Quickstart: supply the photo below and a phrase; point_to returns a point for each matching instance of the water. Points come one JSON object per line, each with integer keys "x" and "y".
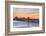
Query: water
{"x": 24, "y": 24}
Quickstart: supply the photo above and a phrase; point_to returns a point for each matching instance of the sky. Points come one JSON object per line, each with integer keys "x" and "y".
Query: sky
{"x": 32, "y": 13}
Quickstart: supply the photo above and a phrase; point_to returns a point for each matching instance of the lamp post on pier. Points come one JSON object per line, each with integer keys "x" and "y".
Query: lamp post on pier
{"x": 28, "y": 21}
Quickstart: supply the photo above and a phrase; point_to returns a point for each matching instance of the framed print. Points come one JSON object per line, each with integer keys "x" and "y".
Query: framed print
{"x": 24, "y": 17}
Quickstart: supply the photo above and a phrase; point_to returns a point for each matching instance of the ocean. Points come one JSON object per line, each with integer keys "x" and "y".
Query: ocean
{"x": 25, "y": 24}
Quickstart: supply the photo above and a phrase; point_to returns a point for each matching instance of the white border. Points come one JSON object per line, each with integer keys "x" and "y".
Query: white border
{"x": 25, "y": 29}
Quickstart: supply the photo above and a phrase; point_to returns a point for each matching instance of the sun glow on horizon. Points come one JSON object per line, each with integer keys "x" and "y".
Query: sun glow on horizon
{"x": 20, "y": 13}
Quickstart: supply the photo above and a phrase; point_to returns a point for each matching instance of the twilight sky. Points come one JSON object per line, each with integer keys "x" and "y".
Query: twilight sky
{"x": 32, "y": 13}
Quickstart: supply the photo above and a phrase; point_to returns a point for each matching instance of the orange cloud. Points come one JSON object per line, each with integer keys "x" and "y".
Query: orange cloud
{"x": 31, "y": 16}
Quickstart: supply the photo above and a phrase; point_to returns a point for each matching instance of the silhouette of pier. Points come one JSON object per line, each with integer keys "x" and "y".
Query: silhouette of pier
{"x": 26, "y": 19}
